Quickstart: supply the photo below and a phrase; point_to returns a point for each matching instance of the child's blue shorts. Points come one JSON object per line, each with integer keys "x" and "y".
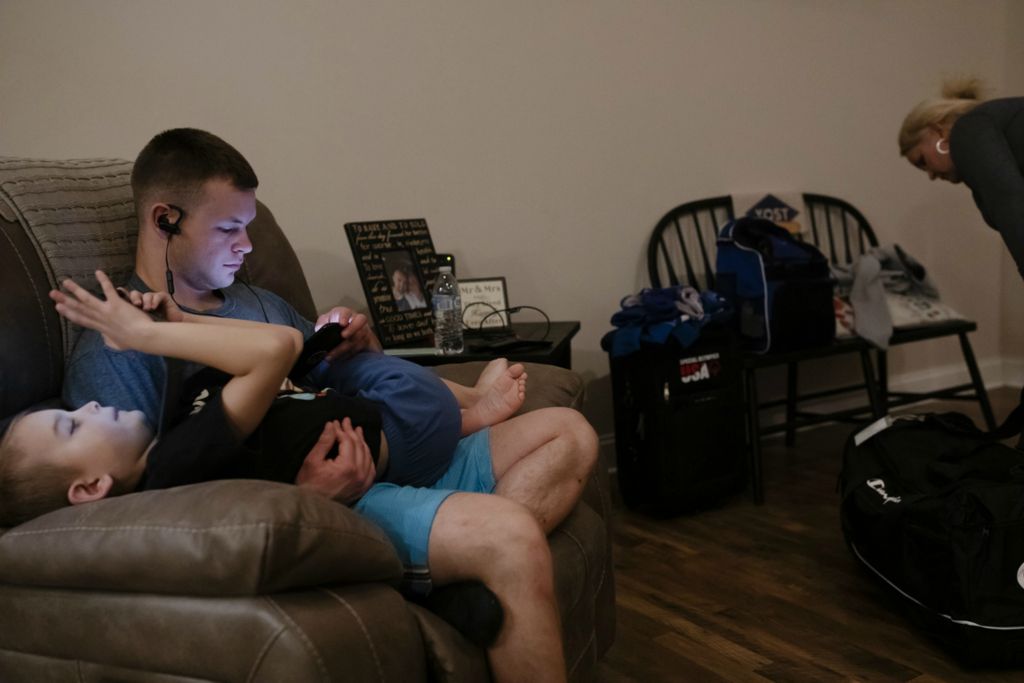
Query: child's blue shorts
{"x": 406, "y": 513}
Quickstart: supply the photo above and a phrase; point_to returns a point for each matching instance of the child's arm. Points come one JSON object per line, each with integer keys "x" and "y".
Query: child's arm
{"x": 355, "y": 334}
{"x": 258, "y": 359}
{"x": 163, "y": 306}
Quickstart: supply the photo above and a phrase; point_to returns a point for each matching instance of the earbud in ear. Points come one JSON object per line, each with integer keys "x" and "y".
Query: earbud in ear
{"x": 167, "y": 226}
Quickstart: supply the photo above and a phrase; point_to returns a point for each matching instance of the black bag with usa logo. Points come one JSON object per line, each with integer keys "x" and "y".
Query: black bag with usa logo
{"x": 680, "y": 423}
{"x": 933, "y": 508}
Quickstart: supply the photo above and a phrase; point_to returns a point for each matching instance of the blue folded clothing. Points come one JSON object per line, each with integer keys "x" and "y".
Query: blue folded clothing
{"x": 659, "y": 316}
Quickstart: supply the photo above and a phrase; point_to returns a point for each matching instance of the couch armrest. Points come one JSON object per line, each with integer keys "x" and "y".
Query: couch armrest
{"x": 223, "y": 538}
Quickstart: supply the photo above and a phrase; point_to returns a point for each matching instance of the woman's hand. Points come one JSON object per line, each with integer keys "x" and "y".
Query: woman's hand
{"x": 348, "y": 476}
{"x": 120, "y": 323}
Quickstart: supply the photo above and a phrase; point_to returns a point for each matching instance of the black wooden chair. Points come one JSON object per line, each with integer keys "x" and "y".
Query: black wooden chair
{"x": 682, "y": 251}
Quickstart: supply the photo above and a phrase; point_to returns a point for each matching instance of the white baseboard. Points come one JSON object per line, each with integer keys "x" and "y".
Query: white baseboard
{"x": 994, "y": 372}
{"x": 1012, "y": 372}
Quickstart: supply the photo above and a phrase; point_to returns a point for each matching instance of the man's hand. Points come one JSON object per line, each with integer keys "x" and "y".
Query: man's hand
{"x": 348, "y": 476}
{"x": 356, "y": 335}
{"x": 120, "y": 323}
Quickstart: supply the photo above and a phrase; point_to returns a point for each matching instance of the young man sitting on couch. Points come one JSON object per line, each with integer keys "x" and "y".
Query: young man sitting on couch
{"x": 195, "y": 195}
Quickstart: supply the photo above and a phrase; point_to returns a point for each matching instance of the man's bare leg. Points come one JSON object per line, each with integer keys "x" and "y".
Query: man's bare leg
{"x": 499, "y": 542}
{"x": 542, "y": 460}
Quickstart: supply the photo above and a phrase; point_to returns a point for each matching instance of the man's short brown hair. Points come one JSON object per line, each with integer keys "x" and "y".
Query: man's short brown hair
{"x": 175, "y": 164}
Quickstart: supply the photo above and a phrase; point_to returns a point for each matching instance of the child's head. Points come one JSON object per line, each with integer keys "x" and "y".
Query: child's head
{"x": 52, "y": 458}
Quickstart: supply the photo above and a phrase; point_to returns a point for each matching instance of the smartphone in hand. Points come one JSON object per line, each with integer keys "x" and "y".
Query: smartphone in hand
{"x": 315, "y": 349}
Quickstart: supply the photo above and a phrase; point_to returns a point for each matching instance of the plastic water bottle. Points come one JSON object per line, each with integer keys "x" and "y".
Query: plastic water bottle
{"x": 447, "y": 313}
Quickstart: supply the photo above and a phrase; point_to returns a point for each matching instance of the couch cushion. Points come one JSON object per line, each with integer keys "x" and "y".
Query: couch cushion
{"x": 79, "y": 216}
{"x": 351, "y": 632}
{"x": 234, "y": 537}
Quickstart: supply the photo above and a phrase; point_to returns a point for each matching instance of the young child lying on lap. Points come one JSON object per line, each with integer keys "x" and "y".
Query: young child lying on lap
{"x": 240, "y": 425}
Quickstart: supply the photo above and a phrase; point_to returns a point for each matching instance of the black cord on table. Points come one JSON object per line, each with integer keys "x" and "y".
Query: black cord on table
{"x": 516, "y": 309}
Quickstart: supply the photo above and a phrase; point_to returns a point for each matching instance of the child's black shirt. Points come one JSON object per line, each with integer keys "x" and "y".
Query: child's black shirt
{"x": 201, "y": 445}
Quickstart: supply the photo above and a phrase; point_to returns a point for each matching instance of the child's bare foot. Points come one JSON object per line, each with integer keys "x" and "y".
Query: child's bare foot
{"x": 502, "y": 389}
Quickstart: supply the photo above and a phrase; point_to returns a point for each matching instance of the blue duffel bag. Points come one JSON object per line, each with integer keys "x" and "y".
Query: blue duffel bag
{"x": 780, "y": 287}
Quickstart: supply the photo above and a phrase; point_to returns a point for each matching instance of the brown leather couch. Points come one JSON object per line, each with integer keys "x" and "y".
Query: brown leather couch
{"x": 230, "y": 580}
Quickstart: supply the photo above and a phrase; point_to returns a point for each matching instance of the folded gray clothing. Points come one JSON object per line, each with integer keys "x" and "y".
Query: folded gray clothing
{"x": 871, "y": 317}
{"x": 887, "y": 268}
{"x": 901, "y": 273}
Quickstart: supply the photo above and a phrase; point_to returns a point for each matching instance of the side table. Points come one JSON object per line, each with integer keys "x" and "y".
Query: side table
{"x": 557, "y": 352}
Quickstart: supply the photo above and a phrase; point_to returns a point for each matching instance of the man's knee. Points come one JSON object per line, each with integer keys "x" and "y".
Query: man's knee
{"x": 581, "y": 437}
{"x": 586, "y": 437}
{"x": 487, "y": 537}
{"x": 519, "y": 547}
{"x": 521, "y": 552}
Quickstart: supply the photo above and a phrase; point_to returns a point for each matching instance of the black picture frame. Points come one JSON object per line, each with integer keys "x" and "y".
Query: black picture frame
{"x": 382, "y": 248}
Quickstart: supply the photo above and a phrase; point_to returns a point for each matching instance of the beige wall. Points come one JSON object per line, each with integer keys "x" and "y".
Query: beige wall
{"x": 541, "y": 140}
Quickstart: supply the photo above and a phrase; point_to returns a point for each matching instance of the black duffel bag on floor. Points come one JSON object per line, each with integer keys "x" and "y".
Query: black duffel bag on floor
{"x": 934, "y": 509}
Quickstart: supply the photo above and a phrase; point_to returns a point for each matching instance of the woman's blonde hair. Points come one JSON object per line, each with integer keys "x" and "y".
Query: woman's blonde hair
{"x": 959, "y": 96}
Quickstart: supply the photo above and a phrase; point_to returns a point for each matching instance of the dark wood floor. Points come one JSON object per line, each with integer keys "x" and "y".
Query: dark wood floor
{"x": 766, "y": 593}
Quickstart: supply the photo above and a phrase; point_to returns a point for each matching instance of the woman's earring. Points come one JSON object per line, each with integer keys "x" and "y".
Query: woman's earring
{"x": 938, "y": 147}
